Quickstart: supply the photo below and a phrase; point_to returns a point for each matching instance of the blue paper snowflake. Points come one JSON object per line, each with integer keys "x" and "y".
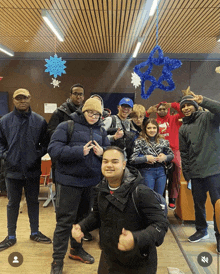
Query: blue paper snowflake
{"x": 55, "y": 66}
{"x": 168, "y": 66}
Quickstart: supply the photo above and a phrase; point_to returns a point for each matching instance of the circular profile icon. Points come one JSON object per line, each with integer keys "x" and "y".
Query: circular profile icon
{"x": 15, "y": 259}
{"x": 204, "y": 259}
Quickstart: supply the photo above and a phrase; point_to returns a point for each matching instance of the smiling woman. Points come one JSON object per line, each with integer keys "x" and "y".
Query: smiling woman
{"x": 149, "y": 154}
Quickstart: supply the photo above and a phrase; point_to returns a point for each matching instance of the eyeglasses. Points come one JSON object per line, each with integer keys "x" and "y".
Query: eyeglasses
{"x": 20, "y": 98}
{"x": 78, "y": 94}
{"x": 91, "y": 114}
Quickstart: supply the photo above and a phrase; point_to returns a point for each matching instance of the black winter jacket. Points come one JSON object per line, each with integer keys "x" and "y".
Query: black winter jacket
{"x": 60, "y": 115}
{"x": 111, "y": 213}
{"x": 23, "y": 141}
{"x": 72, "y": 167}
{"x": 199, "y": 140}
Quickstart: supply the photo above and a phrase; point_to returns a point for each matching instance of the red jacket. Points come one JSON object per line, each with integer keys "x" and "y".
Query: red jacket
{"x": 169, "y": 126}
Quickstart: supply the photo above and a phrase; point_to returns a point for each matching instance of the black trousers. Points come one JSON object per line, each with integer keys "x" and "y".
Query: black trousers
{"x": 108, "y": 267}
{"x": 14, "y": 192}
{"x": 71, "y": 205}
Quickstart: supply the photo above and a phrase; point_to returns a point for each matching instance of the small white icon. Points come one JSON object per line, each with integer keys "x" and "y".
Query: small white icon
{"x": 15, "y": 261}
{"x": 205, "y": 259}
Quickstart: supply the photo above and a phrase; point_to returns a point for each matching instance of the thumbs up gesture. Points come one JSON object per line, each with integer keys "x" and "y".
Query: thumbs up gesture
{"x": 126, "y": 240}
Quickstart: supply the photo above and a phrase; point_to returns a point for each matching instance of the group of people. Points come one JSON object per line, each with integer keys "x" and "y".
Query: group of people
{"x": 101, "y": 163}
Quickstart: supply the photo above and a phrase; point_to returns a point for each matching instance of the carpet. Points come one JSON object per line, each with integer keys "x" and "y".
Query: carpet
{"x": 207, "y": 262}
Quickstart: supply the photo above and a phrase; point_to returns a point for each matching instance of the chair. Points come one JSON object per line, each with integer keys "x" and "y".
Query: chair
{"x": 217, "y": 214}
{"x": 46, "y": 181}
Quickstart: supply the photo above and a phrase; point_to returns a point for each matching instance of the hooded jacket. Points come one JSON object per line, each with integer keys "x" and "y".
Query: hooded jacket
{"x": 200, "y": 141}
{"x": 72, "y": 167}
{"x": 113, "y": 212}
{"x": 169, "y": 125}
{"x": 23, "y": 141}
{"x": 60, "y": 115}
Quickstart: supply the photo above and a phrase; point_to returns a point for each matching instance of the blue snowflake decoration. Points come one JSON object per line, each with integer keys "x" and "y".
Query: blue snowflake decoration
{"x": 168, "y": 66}
{"x": 55, "y": 66}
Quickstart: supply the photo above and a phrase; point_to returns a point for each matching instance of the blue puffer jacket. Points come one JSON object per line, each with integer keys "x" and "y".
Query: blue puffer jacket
{"x": 72, "y": 167}
{"x": 23, "y": 141}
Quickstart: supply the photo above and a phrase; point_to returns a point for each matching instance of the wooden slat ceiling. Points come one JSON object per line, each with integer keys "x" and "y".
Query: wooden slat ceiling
{"x": 110, "y": 26}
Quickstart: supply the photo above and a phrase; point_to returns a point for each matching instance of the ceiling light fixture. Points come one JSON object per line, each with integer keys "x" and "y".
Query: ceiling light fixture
{"x": 140, "y": 40}
{"x": 47, "y": 18}
{"x": 153, "y": 7}
{"x": 6, "y": 50}
{"x": 218, "y": 38}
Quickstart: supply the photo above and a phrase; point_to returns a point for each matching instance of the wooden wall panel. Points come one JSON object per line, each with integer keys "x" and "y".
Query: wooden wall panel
{"x": 102, "y": 76}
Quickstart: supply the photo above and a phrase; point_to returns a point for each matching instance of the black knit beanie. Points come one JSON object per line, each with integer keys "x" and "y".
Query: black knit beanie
{"x": 186, "y": 100}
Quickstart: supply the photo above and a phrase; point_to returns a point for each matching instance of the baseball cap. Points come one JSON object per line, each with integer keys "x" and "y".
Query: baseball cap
{"x": 126, "y": 101}
{"x": 21, "y": 91}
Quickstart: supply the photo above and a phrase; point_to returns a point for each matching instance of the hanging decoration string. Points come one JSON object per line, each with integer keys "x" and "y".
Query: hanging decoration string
{"x": 55, "y": 44}
{"x": 55, "y": 66}
{"x": 157, "y": 24}
{"x": 165, "y": 81}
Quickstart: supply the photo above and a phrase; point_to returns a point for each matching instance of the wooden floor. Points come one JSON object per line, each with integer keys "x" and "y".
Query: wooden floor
{"x": 38, "y": 257}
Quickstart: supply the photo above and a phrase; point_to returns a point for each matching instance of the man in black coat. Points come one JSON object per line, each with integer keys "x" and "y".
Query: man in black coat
{"x": 199, "y": 138}
{"x": 129, "y": 230}
{"x": 23, "y": 141}
{"x": 63, "y": 112}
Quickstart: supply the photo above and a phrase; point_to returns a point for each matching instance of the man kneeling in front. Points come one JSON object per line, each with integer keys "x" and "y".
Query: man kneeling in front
{"x": 130, "y": 219}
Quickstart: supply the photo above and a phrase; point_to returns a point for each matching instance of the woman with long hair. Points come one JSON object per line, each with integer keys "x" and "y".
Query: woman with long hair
{"x": 151, "y": 152}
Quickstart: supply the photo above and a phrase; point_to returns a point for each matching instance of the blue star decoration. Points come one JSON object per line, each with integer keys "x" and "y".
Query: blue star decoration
{"x": 55, "y": 66}
{"x": 168, "y": 66}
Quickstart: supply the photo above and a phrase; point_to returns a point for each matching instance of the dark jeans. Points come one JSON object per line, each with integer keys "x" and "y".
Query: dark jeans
{"x": 200, "y": 186}
{"x": 14, "y": 191}
{"x": 71, "y": 205}
{"x": 155, "y": 178}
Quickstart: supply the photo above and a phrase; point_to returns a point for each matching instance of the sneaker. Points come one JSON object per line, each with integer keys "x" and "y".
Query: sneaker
{"x": 198, "y": 236}
{"x": 172, "y": 204}
{"x": 39, "y": 237}
{"x": 56, "y": 267}
{"x": 87, "y": 237}
{"x": 3, "y": 193}
{"x": 81, "y": 255}
{"x": 7, "y": 243}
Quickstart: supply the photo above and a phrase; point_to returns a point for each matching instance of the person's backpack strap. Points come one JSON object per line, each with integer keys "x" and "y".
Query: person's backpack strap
{"x": 158, "y": 196}
{"x": 113, "y": 125}
{"x": 70, "y": 130}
